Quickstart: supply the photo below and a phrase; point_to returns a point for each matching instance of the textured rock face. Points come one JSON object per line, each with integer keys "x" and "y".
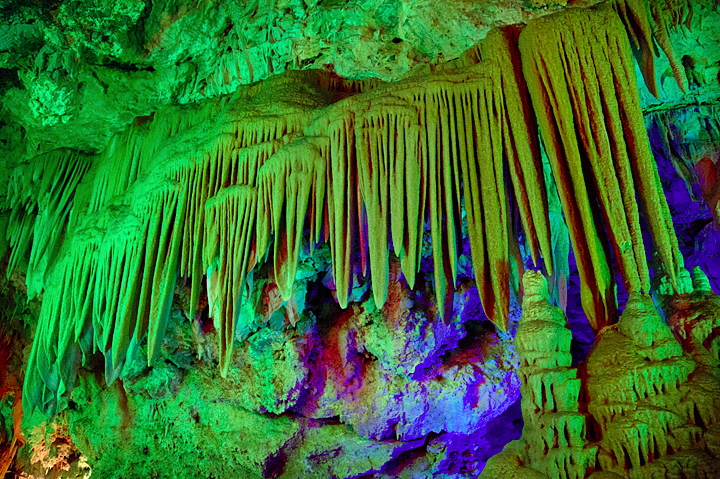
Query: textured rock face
{"x": 336, "y": 394}
{"x": 399, "y": 373}
{"x": 313, "y": 391}
{"x": 87, "y": 63}
{"x": 654, "y": 403}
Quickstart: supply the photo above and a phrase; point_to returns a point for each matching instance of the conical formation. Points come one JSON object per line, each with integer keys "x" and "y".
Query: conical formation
{"x": 554, "y": 431}
{"x": 229, "y": 256}
{"x": 657, "y": 408}
{"x": 130, "y": 234}
{"x": 695, "y": 318}
{"x": 582, "y": 82}
{"x": 648, "y": 23}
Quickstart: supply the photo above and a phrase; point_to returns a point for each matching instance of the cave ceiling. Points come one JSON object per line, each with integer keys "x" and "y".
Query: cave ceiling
{"x": 74, "y": 73}
{"x": 282, "y": 187}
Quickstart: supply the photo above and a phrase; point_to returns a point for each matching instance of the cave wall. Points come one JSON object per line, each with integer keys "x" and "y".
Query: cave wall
{"x": 309, "y": 388}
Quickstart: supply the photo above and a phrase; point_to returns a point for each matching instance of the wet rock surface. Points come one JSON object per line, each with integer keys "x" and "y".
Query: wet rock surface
{"x": 395, "y": 392}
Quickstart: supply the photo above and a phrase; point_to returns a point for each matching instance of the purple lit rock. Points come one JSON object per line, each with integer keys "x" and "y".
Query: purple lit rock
{"x": 406, "y": 336}
{"x": 402, "y": 372}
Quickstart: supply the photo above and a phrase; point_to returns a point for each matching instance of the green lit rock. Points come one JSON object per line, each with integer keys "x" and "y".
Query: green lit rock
{"x": 270, "y": 371}
{"x": 133, "y": 89}
{"x": 328, "y": 451}
{"x": 175, "y": 435}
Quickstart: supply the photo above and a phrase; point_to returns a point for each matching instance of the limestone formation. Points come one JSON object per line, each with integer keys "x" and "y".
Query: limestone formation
{"x": 554, "y": 436}
{"x": 263, "y": 239}
{"x": 644, "y": 405}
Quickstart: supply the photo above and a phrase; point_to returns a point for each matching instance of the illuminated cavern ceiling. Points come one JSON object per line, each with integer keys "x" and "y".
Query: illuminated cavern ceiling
{"x": 360, "y": 239}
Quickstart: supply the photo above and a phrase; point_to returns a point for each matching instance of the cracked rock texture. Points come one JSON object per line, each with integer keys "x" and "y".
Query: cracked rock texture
{"x": 337, "y": 394}
{"x": 315, "y": 391}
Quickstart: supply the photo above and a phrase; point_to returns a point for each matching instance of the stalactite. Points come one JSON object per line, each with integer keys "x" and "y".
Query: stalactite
{"x": 689, "y": 139}
{"x": 560, "y": 239}
{"x": 520, "y": 136}
{"x": 229, "y": 255}
{"x": 42, "y": 193}
{"x": 118, "y": 276}
{"x": 394, "y": 154}
{"x": 646, "y": 21}
{"x": 662, "y": 35}
{"x": 164, "y": 220}
{"x": 444, "y": 174}
{"x": 466, "y": 124}
{"x": 289, "y": 184}
{"x": 586, "y": 78}
{"x": 381, "y": 156}
{"x": 341, "y": 173}
{"x": 635, "y": 16}
{"x": 486, "y": 210}
{"x": 224, "y": 164}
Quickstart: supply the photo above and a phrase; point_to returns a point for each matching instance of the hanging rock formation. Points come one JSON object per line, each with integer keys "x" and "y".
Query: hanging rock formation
{"x": 331, "y": 243}
{"x": 167, "y": 211}
{"x": 582, "y": 81}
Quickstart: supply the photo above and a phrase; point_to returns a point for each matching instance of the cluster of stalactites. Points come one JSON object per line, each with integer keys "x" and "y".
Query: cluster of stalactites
{"x": 648, "y": 23}
{"x": 166, "y": 197}
{"x": 582, "y": 81}
{"x": 110, "y": 288}
{"x": 414, "y": 152}
{"x": 364, "y": 169}
{"x": 41, "y": 192}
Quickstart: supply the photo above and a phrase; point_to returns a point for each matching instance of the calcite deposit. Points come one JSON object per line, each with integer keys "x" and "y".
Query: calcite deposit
{"x": 653, "y": 393}
{"x": 360, "y": 239}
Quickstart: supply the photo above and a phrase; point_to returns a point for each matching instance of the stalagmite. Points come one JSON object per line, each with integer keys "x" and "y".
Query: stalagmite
{"x": 652, "y": 402}
{"x": 554, "y": 442}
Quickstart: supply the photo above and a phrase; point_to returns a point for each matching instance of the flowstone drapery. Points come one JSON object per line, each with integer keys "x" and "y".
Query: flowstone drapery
{"x": 301, "y": 152}
{"x": 223, "y": 198}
